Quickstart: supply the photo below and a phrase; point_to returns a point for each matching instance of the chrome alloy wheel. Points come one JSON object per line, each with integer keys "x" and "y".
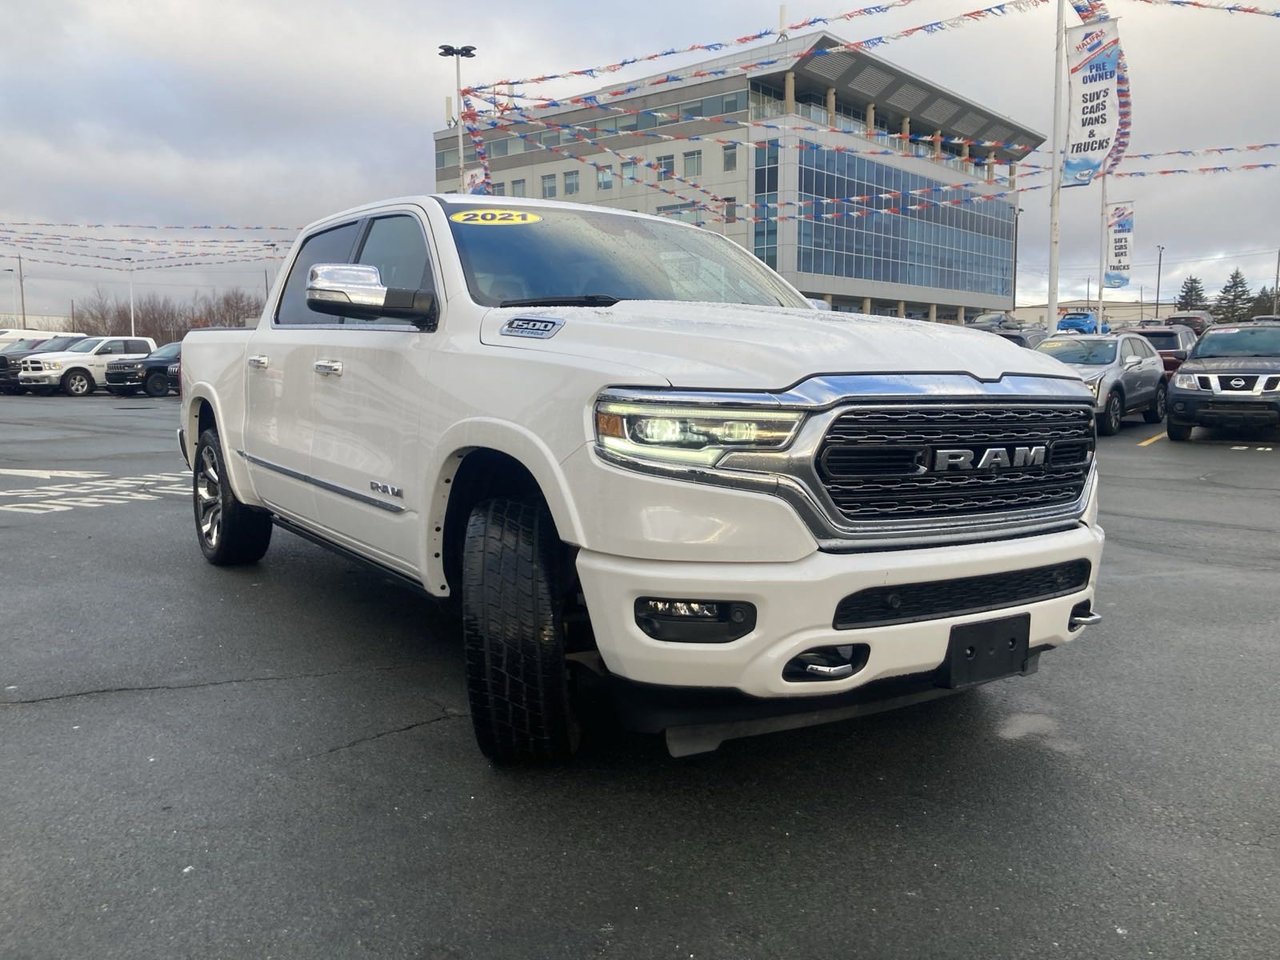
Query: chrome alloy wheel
{"x": 208, "y": 492}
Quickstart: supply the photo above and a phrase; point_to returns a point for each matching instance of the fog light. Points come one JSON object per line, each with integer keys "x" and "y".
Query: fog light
{"x": 694, "y": 621}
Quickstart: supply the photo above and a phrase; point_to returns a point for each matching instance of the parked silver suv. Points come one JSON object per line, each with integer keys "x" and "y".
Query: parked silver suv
{"x": 1124, "y": 371}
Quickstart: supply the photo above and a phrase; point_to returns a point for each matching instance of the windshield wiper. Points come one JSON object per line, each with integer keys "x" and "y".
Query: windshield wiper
{"x": 589, "y": 300}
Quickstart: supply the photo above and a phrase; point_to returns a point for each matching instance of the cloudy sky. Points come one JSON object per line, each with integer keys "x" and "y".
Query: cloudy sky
{"x": 276, "y": 112}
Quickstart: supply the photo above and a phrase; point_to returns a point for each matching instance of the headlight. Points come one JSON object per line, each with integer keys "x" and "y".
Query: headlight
{"x": 1185, "y": 381}
{"x": 1093, "y": 385}
{"x": 694, "y": 435}
{"x": 137, "y": 366}
{"x": 53, "y": 364}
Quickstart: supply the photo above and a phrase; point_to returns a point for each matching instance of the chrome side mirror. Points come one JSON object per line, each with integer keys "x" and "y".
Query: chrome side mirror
{"x": 356, "y": 290}
{"x": 1132, "y": 361}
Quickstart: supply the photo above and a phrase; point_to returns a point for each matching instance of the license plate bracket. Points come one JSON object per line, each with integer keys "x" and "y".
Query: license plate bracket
{"x": 988, "y": 650}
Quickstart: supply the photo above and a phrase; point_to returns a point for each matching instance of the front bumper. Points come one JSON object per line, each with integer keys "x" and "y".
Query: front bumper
{"x": 796, "y": 603}
{"x": 1201, "y": 408}
{"x": 129, "y": 378}
{"x": 39, "y": 379}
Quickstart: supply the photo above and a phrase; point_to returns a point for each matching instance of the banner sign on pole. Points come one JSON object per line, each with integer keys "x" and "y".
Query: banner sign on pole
{"x": 1119, "y": 244}
{"x": 1093, "y": 55}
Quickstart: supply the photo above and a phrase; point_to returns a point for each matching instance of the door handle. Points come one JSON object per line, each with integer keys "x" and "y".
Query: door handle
{"x": 327, "y": 368}
{"x": 259, "y": 361}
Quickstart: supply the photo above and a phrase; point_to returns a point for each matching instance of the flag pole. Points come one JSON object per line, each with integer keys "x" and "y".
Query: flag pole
{"x": 1055, "y": 188}
{"x": 1102, "y": 250}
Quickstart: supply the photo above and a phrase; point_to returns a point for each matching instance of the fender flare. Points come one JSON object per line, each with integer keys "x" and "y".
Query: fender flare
{"x": 237, "y": 469}
{"x": 513, "y": 440}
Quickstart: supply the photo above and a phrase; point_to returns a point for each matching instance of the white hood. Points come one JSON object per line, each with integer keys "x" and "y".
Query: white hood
{"x": 732, "y": 346}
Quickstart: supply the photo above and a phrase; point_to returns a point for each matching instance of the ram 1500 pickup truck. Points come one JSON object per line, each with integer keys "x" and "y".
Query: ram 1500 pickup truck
{"x": 645, "y": 465}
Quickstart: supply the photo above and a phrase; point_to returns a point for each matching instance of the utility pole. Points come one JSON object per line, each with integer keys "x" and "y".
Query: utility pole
{"x": 1159, "y": 264}
{"x": 1102, "y": 249}
{"x": 1275, "y": 290}
{"x": 129, "y": 260}
{"x": 22, "y": 293}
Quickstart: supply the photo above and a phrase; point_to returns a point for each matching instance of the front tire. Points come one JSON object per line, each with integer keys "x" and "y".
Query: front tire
{"x": 1178, "y": 432}
{"x": 1112, "y": 413}
{"x": 1155, "y": 413}
{"x": 157, "y": 385}
{"x": 514, "y": 634}
{"x": 77, "y": 383}
{"x": 230, "y": 533}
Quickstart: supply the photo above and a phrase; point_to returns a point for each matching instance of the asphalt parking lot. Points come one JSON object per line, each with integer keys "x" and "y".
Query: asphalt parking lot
{"x": 276, "y": 761}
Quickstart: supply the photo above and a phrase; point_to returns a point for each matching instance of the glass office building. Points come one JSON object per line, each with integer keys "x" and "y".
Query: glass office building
{"x": 871, "y": 188}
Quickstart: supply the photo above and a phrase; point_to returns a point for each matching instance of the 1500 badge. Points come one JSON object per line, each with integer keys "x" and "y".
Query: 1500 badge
{"x": 539, "y": 328}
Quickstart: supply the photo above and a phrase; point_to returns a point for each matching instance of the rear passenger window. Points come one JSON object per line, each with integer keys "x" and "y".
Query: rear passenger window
{"x": 331, "y": 246}
{"x": 138, "y": 346}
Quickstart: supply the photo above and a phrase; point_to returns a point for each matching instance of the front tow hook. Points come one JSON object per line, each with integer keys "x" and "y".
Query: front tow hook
{"x": 1079, "y": 620}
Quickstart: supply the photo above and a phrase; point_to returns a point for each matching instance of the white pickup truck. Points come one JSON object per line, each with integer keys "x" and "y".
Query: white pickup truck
{"x": 647, "y": 465}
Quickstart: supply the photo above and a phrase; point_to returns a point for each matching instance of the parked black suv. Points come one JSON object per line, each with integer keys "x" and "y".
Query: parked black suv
{"x": 151, "y": 373}
{"x": 11, "y": 360}
{"x": 1230, "y": 379}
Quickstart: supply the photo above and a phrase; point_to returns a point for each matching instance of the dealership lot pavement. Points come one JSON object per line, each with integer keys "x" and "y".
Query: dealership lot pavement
{"x": 276, "y": 761}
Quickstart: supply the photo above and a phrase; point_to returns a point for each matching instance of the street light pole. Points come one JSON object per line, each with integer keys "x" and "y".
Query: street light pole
{"x": 448, "y": 50}
{"x": 1159, "y": 264}
{"x": 22, "y": 292}
{"x": 1017, "y": 216}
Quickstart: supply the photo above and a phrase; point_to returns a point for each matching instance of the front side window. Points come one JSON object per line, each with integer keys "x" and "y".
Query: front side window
{"x": 328, "y": 246}
{"x": 84, "y": 346}
{"x": 397, "y": 247}
{"x": 112, "y": 347}
{"x": 559, "y": 255}
{"x": 549, "y": 186}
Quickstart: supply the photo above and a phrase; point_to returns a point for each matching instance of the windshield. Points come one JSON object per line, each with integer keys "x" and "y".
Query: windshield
{"x": 1238, "y": 342}
{"x": 1161, "y": 339}
{"x": 1093, "y": 352}
{"x": 58, "y": 344}
{"x": 17, "y": 345}
{"x": 563, "y": 254}
{"x": 168, "y": 351}
{"x": 84, "y": 346}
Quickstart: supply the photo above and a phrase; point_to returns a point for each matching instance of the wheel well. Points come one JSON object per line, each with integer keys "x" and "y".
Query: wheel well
{"x": 205, "y": 419}
{"x": 483, "y": 475}
{"x": 78, "y": 370}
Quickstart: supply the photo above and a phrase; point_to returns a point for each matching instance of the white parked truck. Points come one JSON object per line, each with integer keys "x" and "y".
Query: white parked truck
{"x": 646, "y": 465}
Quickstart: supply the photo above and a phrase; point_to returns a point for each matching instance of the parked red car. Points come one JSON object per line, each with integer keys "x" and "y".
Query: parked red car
{"x": 1173, "y": 342}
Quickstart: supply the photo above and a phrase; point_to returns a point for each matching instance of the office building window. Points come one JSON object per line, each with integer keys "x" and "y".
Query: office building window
{"x": 667, "y": 167}
{"x": 499, "y": 189}
{"x": 604, "y": 177}
{"x": 570, "y": 182}
{"x": 693, "y": 163}
{"x": 549, "y": 186}
{"x": 730, "y": 157}
{"x": 730, "y": 209}
{"x": 517, "y": 188}
{"x": 629, "y": 171}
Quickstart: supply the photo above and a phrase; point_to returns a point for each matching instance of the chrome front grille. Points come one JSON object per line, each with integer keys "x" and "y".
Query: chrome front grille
{"x": 881, "y": 463}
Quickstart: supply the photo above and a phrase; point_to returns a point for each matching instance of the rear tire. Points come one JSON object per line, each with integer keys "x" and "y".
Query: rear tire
{"x": 1155, "y": 413}
{"x": 514, "y": 634}
{"x": 230, "y": 533}
{"x": 77, "y": 383}
{"x": 157, "y": 385}
{"x": 1178, "y": 432}
{"x": 1112, "y": 414}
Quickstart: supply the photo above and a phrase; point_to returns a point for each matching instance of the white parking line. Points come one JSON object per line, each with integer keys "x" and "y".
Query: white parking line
{"x": 61, "y": 497}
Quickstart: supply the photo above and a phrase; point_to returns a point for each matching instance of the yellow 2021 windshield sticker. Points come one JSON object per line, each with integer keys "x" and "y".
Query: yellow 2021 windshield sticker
{"x": 495, "y": 217}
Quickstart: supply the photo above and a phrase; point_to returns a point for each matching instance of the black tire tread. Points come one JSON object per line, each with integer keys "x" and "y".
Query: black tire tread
{"x": 514, "y": 635}
{"x": 1153, "y": 413}
{"x": 156, "y": 385}
{"x": 246, "y": 531}
{"x": 1178, "y": 432}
